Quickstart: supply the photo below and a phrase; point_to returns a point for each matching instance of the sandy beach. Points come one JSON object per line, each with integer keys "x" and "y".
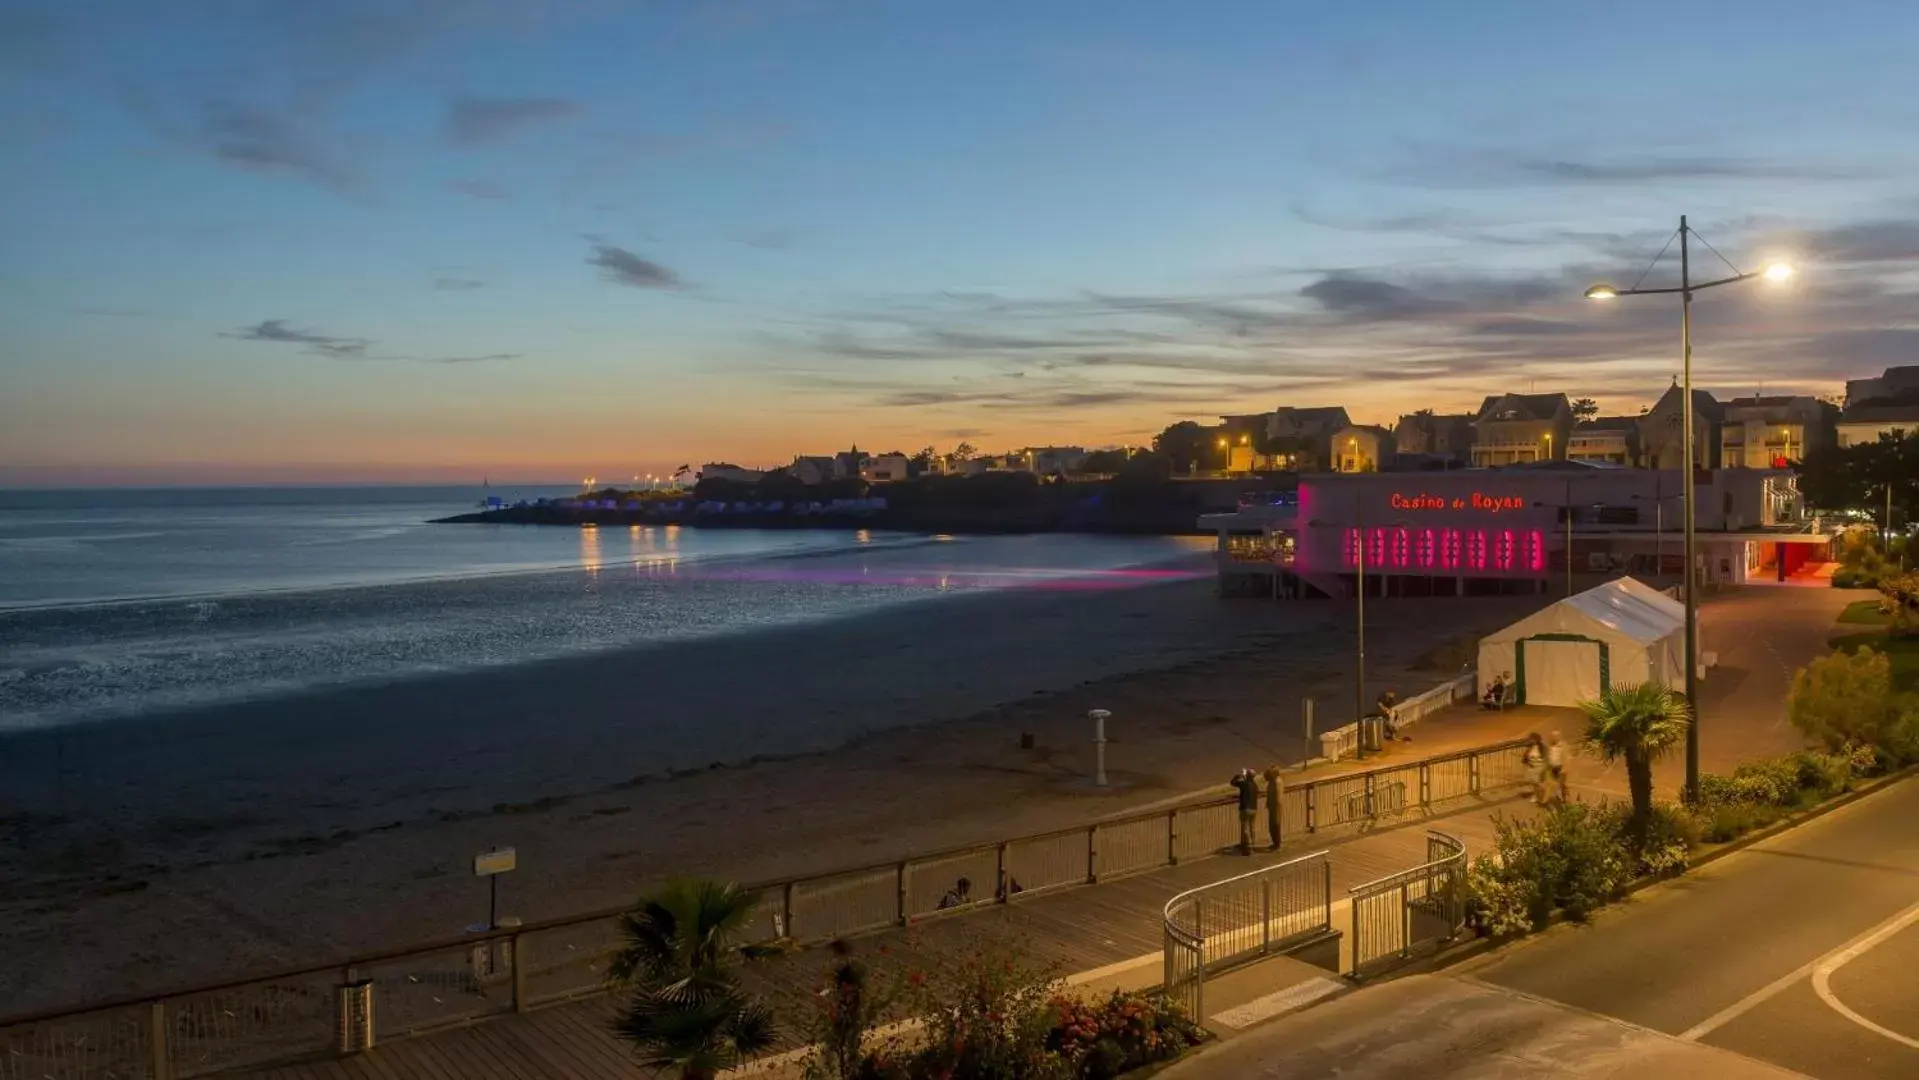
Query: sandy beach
{"x": 150, "y": 854}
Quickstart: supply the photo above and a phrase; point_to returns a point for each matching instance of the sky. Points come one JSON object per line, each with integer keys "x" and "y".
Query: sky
{"x": 437, "y": 240}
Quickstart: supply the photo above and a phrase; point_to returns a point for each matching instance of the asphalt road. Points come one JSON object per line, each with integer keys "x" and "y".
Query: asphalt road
{"x": 1799, "y": 955}
{"x": 1798, "y": 951}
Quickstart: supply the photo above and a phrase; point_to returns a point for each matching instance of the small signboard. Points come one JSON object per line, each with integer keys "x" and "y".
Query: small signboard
{"x": 488, "y": 863}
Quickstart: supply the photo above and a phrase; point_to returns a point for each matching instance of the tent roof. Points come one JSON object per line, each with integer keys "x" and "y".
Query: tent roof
{"x": 1618, "y": 609}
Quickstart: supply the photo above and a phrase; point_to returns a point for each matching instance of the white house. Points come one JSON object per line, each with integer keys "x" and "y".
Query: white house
{"x": 885, "y": 468}
{"x": 1865, "y": 423}
{"x": 811, "y": 469}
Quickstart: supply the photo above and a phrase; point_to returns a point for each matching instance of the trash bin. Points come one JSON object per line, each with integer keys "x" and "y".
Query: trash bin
{"x": 356, "y": 1016}
{"x": 1370, "y": 733}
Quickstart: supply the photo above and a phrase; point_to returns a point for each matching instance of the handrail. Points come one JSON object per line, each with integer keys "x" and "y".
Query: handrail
{"x": 1166, "y": 913}
{"x": 1386, "y": 912}
{"x": 775, "y": 887}
{"x": 1458, "y": 848}
{"x": 1234, "y": 920}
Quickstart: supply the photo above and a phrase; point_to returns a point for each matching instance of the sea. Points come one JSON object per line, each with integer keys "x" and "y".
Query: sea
{"x": 117, "y": 603}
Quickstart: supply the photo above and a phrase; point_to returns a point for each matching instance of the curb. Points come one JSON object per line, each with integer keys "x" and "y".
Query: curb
{"x": 1478, "y": 948}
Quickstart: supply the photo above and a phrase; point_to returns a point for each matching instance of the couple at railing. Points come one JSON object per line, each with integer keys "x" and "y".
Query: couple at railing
{"x": 1247, "y": 783}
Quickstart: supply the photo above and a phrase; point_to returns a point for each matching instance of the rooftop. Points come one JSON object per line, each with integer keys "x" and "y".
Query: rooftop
{"x": 1527, "y": 406}
{"x": 1878, "y": 413}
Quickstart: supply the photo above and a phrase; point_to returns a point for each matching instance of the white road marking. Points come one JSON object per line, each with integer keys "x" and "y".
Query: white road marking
{"x": 1822, "y": 976}
{"x": 1772, "y": 989}
{"x": 1271, "y": 1005}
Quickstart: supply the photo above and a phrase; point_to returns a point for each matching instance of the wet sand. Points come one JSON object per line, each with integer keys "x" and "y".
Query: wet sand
{"x": 154, "y": 853}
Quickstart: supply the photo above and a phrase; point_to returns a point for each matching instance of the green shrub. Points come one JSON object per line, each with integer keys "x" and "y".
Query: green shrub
{"x": 1900, "y": 744}
{"x": 1672, "y": 832}
{"x": 1716, "y": 790}
{"x": 1865, "y": 760}
{"x": 1729, "y": 821}
{"x": 1573, "y": 856}
{"x": 1845, "y": 578}
{"x": 1823, "y": 775}
{"x": 1768, "y": 781}
{"x": 1843, "y": 698}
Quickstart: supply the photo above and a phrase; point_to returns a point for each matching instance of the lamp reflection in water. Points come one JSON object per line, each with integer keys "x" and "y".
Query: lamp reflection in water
{"x": 590, "y": 554}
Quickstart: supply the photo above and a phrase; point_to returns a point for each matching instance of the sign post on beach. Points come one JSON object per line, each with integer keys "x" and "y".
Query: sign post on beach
{"x": 1306, "y": 717}
{"x": 1098, "y": 717}
{"x": 490, "y": 865}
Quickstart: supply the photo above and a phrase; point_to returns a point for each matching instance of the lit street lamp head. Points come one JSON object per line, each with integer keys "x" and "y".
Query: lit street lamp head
{"x": 1602, "y": 292}
{"x": 1777, "y": 272}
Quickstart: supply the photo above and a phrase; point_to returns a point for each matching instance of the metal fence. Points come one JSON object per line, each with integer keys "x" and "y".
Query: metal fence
{"x": 321, "y": 1010}
{"x": 1218, "y": 925}
{"x": 1397, "y": 915}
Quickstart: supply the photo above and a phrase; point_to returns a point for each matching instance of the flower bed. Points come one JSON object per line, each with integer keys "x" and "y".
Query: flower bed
{"x": 986, "y": 1013}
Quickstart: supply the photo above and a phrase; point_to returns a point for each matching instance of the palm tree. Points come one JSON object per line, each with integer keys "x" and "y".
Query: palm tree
{"x": 687, "y": 1015}
{"x": 1636, "y": 723}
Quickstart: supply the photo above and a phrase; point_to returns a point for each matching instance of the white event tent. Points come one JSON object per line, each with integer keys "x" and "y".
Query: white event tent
{"x": 1621, "y": 632}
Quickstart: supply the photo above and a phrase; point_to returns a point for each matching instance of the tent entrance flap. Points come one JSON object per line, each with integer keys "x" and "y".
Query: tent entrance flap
{"x": 1561, "y": 669}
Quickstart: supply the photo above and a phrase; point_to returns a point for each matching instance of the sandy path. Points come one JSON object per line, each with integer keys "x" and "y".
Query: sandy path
{"x": 155, "y": 854}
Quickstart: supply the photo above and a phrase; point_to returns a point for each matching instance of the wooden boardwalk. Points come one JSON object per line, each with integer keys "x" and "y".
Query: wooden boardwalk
{"x": 1082, "y": 930}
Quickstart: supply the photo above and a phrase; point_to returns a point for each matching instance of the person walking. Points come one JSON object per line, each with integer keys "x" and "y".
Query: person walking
{"x": 1556, "y": 767}
{"x": 1534, "y": 760}
{"x": 1248, "y": 787}
{"x": 1274, "y": 785}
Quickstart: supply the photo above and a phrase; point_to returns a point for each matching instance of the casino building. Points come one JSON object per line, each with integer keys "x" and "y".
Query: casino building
{"x": 1511, "y": 529}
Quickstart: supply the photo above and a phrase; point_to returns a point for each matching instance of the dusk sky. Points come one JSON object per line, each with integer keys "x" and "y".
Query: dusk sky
{"x": 346, "y": 240}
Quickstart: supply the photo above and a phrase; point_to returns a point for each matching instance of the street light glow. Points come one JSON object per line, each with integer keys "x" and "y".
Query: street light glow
{"x": 1602, "y": 292}
{"x": 1775, "y": 273}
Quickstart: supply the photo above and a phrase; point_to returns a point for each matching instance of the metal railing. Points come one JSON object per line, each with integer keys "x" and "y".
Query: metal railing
{"x": 318, "y": 1010}
{"x": 1228, "y": 922}
{"x": 1397, "y": 914}
{"x": 1343, "y": 742}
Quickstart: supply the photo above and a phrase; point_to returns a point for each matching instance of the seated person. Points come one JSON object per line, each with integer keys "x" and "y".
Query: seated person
{"x": 1495, "y": 692}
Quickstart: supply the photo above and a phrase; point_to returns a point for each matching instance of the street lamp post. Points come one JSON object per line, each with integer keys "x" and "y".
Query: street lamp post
{"x": 1359, "y": 581}
{"x": 1658, "y": 502}
{"x": 1774, "y": 272}
{"x": 1568, "y": 509}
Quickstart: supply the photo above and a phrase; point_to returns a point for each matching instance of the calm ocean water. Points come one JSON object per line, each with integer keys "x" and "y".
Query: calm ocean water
{"x": 119, "y": 602}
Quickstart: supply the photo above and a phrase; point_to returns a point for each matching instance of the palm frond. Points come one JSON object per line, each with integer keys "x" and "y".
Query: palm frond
{"x": 1636, "y": 719}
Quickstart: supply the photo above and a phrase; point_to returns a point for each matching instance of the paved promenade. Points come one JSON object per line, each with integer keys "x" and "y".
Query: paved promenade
{"x": 1109, "y": 934}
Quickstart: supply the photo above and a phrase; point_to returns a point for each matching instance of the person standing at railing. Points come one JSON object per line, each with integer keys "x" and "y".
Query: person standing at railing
{"x": 1389, "y": 714}
{"x": 1247, "y": 784}
{"x": 1274, "y": 785}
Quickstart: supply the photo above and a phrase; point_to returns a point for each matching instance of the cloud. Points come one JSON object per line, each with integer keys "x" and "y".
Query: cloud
{"x": 471, "y": 121}
{"x": 1451, "y": 166}
{"x": 764, "y": 239}
{"x": 1364, "y": 297}
{"x": 1639, "y": 170}
{"x": 477, "y": 189}
{"x": 457, "y": 284}
{"x": 485, "y": 359}
{"x": 1880, "y": 241}
{"x": 279, "y": 331}
{"x": 1373, "y": 339}
{"x": 625, "y": 268}
{"x": 264, "y": 140}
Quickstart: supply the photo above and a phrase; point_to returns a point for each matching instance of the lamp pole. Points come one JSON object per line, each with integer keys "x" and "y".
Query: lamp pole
{"x": 1359, "y": 670}
{"x": 1686, "y": 289}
